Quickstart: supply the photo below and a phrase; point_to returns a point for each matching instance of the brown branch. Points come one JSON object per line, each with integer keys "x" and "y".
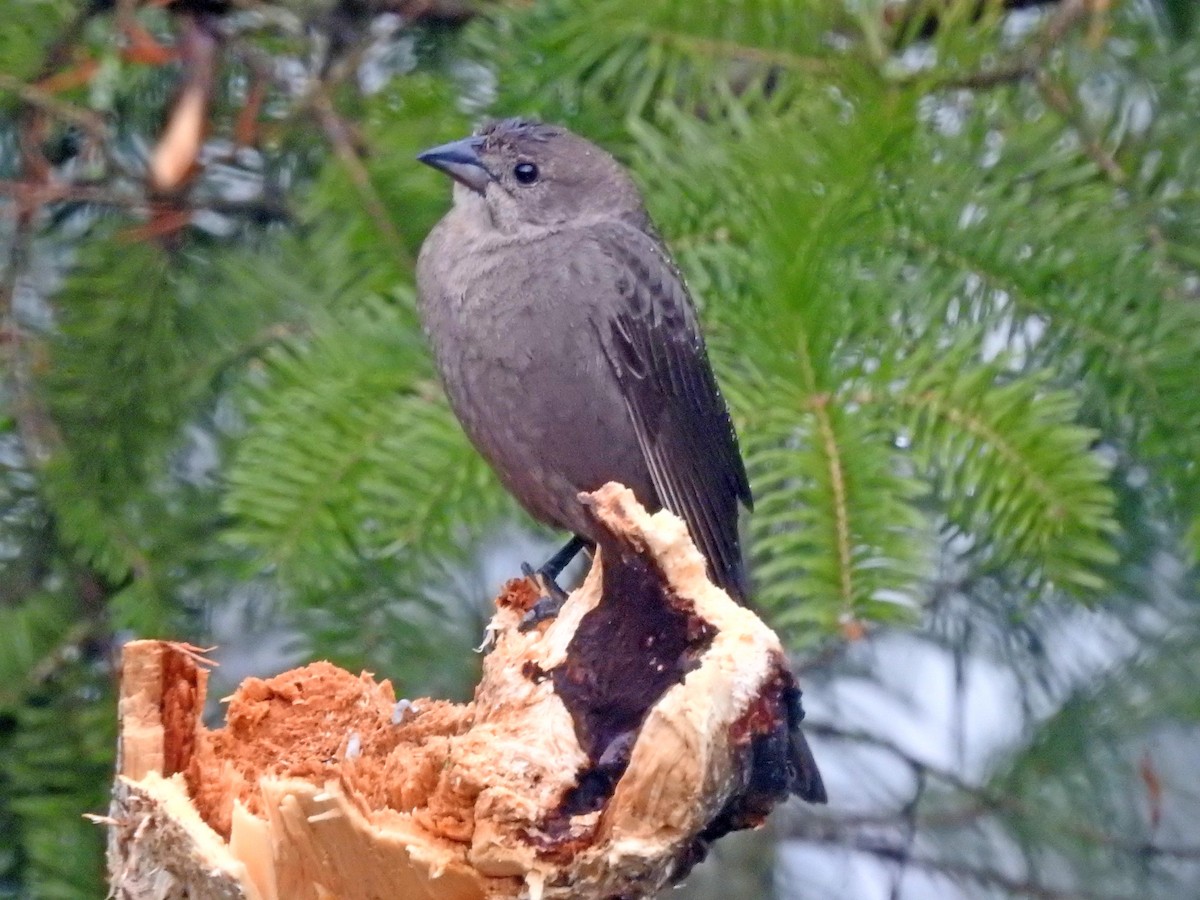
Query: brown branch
{"x": 39, "y": 436}
{"x": 921, "y": 20}
{"x": 174, "y": 162}
{"x": 33, "y": 195}
{"x": 442, "y": 12}
{"x": 341, "y": 138}
{"x": 245, "y": 128}
{"x": 317, "y": 102}
{"x": 957, "y": 870}
{"x": 1027, "y": 64}
{"x": 726, "y": 49}
{"x": 985, "y": 802}
{"x": 1064, "y": 104}
{"x": 45, "y": 101}
{"x": 992, "y": 78}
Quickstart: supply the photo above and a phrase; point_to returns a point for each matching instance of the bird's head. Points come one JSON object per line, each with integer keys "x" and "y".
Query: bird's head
{"x": 530, "y": 174}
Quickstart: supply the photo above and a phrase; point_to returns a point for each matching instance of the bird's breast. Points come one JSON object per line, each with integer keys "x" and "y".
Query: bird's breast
{"x": 514, "y": 328}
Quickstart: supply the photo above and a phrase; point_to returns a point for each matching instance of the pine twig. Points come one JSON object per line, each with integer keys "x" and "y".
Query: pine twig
{"x": 34, "y": 195}
{"x": 45, "y": 101}
{"x": 1028, "y": 63}
{"x": 917, "y": 17}
{"x": 1060, "y": 101}
{"x": 984, "y": 800}
{"x": 338, "y": 134}
{"x": 39, "y": 436}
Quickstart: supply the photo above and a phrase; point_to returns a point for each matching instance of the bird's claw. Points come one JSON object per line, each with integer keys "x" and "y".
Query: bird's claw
{"x": 545, "y": 609}
{"x": 547, "y": 606}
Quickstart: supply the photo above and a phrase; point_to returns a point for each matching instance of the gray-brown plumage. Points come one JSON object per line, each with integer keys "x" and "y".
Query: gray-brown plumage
{"x": 570, "y": 349}
{"x": 568, "y": 343}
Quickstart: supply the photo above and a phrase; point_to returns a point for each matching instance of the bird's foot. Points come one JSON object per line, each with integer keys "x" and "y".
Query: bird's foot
{"x": 548, "y": 605}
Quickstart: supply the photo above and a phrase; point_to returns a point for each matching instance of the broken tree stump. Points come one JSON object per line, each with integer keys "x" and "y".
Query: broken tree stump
{"x": 602, "y": 753}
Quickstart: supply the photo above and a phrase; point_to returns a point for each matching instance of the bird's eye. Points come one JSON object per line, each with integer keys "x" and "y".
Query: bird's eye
{"x": 525, "y": 172}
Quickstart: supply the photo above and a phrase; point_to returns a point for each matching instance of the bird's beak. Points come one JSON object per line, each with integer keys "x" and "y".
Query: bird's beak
{"x": 460, "y": 160}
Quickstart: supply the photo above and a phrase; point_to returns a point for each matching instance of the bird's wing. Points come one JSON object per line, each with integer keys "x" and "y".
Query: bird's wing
{"x": 652, "y": 340}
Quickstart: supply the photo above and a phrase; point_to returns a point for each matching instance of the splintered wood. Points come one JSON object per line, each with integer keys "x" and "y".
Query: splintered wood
{"x": 601, "y": 755}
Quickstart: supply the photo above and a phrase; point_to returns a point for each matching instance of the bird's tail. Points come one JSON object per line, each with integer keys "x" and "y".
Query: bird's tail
{"x": 804, "y": 778}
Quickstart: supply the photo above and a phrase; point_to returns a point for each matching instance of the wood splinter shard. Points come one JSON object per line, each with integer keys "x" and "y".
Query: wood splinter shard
{"x": 600, "y": 756}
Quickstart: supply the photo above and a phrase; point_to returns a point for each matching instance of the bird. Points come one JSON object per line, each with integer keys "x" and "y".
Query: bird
{"x": 568, "y": 343}
{"x": 571, "y": 351}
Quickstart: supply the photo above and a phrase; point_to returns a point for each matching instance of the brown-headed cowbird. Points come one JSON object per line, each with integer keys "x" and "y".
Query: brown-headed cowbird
{"x": 570, "y": 349}
{"x": 567, "y": 341}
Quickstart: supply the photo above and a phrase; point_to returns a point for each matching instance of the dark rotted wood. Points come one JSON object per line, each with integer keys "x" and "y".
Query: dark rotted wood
{"x": 638, "y": 641}
{"x": 634, "y": 645}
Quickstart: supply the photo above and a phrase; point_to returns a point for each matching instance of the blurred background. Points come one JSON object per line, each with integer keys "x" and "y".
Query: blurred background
{"x": 948, "y": 257}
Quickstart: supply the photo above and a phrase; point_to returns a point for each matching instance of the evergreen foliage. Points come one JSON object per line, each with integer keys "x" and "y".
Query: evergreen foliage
{"x": 949, "y": 277}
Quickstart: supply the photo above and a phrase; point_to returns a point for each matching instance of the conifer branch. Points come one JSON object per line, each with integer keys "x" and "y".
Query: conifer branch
{"x": 921, "y": 19}
{"x": 983, "y": 801}
{"x": 837, "y": 483}
{"x": 60, "y": 109}
{"x": 697, "y": 45}
{"x": 943, "y": 406}
{"x": 1060, "y": 101}
{"x": 958, "y": 257}
{"x": 337, "y": 132}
